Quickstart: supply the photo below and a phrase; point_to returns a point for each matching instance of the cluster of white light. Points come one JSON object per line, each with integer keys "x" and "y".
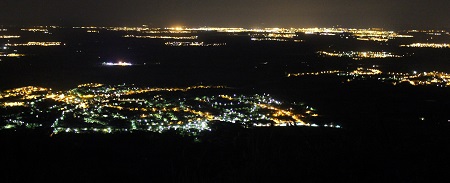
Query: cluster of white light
{"x": 35, "y": 44}
{"x": 360, "y": 55}
{"x": 161, "y": 37}
{"x": 117, "y": 63}
{"x": 427, "y": 45}
{"x": 201, "y": 44}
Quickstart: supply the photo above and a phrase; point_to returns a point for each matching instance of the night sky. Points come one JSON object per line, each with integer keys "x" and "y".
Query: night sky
{"x": 396, "y": 14}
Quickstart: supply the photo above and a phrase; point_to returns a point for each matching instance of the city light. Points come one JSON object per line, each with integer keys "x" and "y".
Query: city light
{"x": 195, "y": 44}
{"x": 357, "y": 55}
{"x": 427, "y": 45}
{"x": 35, "y": 44}
{"x": 162, "y": 37}
{"x": 433, "y": 78}
{"x": 9, "y": 36}
{"x": 100, "y": 108}
{"x": 120, "y": 63}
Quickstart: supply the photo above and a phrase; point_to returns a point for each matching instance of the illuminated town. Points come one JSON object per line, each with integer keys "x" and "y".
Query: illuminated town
{"x": 434, "y": 78}
{"x": 96, "y": 107}
{"x": 427, "y": 45}
{"x": 9, "y": 36}
{"x": 193, "y": 44}
{"x": 35, "y": 30}
{"x": 258, "y": 34}
{"x": 180, "y": 36}
{"x": 11, "y": 54}
{"x": 161, "y": 37}
{"x": 35, "y": 44}
{"x": 357, "y": 55}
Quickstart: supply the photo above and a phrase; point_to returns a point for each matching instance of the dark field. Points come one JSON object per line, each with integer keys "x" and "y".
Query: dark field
{"x": 408, "y": 154}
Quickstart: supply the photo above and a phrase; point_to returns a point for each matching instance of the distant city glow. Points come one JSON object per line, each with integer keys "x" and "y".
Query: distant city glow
{"x": 9, "y": 36}
{"x": 35, "y": 30}
{"x": 11, "y": 55}
{"x": 427, "y": 45}
{"x": 360, "y": 54}
{"x": 201, "y": 44}
{"x": 433, "y": 78}
{"x": 261, "y": 34}
{"x": 35, "y": 44}
{"x": 161, "y": 37}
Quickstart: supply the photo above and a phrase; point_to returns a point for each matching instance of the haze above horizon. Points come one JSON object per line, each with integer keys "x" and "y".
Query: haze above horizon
{"x": 398, "y": 14}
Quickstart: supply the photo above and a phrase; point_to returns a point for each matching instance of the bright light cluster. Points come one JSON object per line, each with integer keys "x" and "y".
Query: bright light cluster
{"x": 35, "y": 44}
{"x": 35, "y": 30}
{"x": 201, "y": 44}
{"x": 357, "y": 55}
{"x": 441, "y": 79}
{"x": 313, "y": 73}
{"x": 9, "y": 36}
{"x": 427, "y": 45}
{"x": 365, "y": 71}
{"x": 161, "y": 37}
{"x": 95, "y": 107}
{"x": 120, "y": 63}
{"x": 11, "y": 55}
{"x": 434, "y": 78}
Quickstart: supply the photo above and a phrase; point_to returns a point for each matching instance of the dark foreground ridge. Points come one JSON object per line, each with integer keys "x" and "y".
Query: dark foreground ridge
{"x": 230, "y": 154}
